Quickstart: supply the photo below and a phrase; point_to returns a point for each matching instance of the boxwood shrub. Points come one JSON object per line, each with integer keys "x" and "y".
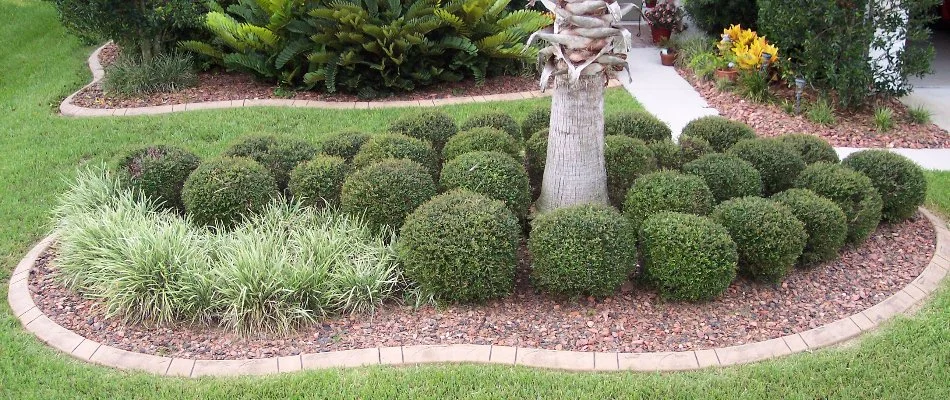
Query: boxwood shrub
{"x": 825, "y": 224}
{"x": 381, "y": 147}
{"x": 461, "y": 247}
{"x": 726, "y": 175}
{"x": 387, "y": 191}
{"x": 492, "y": 174}
{"x": 318, "y": 182}
{"x": 225, "y": 190}
{"x": 666, "y": 191}
{"x": 158, "y": 172}
{"x": 582, "y": 250}
{"x": 778, "y": 163}
{"x": 692, "y": 148}
{"x": 720, "y": 132}
{"x": 433, "y": 126}
{"x": 536, "y": 153}
{"x": 538, "y": 118}
{"x": 850, "y": 190}
{"x": 899, "y": 181}
{"x": 481, "y": 139}
{"x": 769, "y": 239}
{"x": 627, "y": 158}
{"x": 637, "y": 124}
{"x": 687, "y": 257}
{"x": 343, "y": 144}
{"x": 494, "y": 119}
{"x": 812, "y": 148}
{"x": 279, "y": 154}
{"x": 666, "y": 153}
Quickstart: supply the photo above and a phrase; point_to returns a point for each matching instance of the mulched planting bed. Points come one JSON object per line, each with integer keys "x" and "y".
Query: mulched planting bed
{"x": 853, "y": 129}
{"x": 635, "y": 320}
{"x": 219, "y": 85}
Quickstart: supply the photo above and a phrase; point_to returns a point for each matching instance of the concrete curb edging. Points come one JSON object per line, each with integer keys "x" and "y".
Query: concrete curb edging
{"x": 21, "y": 301}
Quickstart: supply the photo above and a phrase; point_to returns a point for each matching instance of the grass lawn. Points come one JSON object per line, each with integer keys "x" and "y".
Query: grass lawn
{"x": 909, "y": 358}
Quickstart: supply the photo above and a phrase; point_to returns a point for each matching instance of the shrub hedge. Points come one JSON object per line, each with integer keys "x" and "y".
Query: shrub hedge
{"x": 343, "y": 144}
{"x": 692, "y": 148}
{"x": 225, "y": 190}
{"x": 158, "y": 172}
{"x": 481, "y": 139}
{"x": 381, "y": 147}
{"x": 825, "y": 224}
{"x": 812, "y": 148}
{"x": 666, "y": 153}
{"x": 778, "y": 163}
{"x": 627, "y": 158}
{"x": 727, "y": 176}
{"x": 768, "y": 237}
{"x": 318, "y": 182}
{"x": 666, "y": 191}
{"x": 279, "y": 154}
{"x": 536, "y": 153}
{"x": 720, "y": 132}
{"x": 491, "y": 174}
{"x": 899, "y": 181}
{"x": 433, "y": 126}
{"x": 851, "y": 190}
{"x": 637, "y": 124}
{"x": 537, "y": 119}
{"x": 387, "y": 191}
{"x": 494, "y": 119}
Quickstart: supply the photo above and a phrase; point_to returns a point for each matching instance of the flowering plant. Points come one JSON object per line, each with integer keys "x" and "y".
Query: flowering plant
{"x": 746, "y": 47}
{"x": 666, "y": 15}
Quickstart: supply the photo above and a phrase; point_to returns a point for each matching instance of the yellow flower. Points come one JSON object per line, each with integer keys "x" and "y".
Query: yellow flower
{"x": 733, "y": 31}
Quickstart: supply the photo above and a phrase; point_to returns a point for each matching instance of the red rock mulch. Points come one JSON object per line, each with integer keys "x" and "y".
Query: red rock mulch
{"x": 635, "y": 320}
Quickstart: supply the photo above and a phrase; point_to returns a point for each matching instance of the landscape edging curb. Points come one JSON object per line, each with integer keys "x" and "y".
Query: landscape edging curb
{"x": 21, "y": 301}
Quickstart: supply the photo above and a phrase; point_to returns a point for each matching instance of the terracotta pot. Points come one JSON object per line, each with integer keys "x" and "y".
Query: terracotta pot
{"x": 659, "y": 33}
{"x": 668, "y": 58}
{"x": 650, "y": 3}
{"x": 730, "y": 74}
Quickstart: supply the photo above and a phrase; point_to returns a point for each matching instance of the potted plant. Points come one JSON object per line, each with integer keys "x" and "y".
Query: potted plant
{"x": 665, "y": 19}
{"x": 668, "y": 52}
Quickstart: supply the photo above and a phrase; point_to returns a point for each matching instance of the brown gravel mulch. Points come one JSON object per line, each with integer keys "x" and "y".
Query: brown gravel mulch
{"x": 636, "y": 320}
{"x": 852, "y": 129}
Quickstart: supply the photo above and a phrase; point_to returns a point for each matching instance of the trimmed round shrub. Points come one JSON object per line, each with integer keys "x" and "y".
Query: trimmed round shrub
{"x": 461, "y": 247}
{"x": 386, "y": 192}
{"x": 899, "y": 181}
{"x": 812, "y": 148}
{"x": 318, "y": 182}
{"x": 720, "y": 132}
{"x": 225, "y": 190}
{"x": 538, "y": 118}
{"x": 692, "y": 148}
{"x": 494, "y": 119}
{"x": 666, "y": 191}
{"x": 850, "y": 190}
{"x": 778, "y": 163}
{"x": 435, "y": 127}
{"x": 536, "y": 153}
{"x": 637, "y": 124}
{"x": 382, "y": 147}
{"x": 491, "y": 174}
{"x": 481, "y": 139}
{"x": 627, "y": 158}
{"x": 158, "y": 172}
{"x": 687, "y": 257}
{"x": 825, "y": 224}
{"x": 343, "y": 144}
{"x": 768, "y": 237}
{"x": 276, "y": 153}
{"x": 582, "y": 250}
{"x": 666, "y": 153}
{"x": 726, "y": 175}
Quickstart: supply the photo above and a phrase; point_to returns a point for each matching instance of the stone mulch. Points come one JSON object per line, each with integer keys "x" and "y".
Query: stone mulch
{"x": 635, "y": 320}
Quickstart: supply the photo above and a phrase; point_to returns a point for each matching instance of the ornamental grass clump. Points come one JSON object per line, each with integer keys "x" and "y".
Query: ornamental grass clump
{"x": 627, "y": 159}
{"x": 900, "y": 182}
{"x": 318, "y": 182}
{"x": 278, "y": 154}
{"x": 492, "y": 174}
{"x": 225, "y": 190}
{"x": 494, "y": 119}
{"x": 158, "y": 172}
{"x": 720, "y": 132}
{"x": 825, "y": 224}
{"x": 851, "y": 190}
{"x": 433, "y": 126}
{"x": 387, "y": 146}
{"x": 637, "y": 124}
{"x": 726, "y": 175}
{"x": 666, "y": 191}
{"x": 768, "y": 237}
{"x": 386, "y": 192}
{"x": 777, "y": 163}
{"x": 481, "y": 139}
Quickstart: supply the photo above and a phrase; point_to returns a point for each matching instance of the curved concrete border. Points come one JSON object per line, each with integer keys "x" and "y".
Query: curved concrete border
{"x": 843, "y": 329}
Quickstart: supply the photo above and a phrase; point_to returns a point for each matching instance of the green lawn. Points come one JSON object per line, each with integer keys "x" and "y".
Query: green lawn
{"x": 909, "y": 358}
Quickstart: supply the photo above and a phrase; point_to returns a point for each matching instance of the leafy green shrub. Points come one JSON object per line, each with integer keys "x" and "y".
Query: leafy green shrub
{"x": 387, "y": 191}
{"x": 129, "y": 76}
{"x": 582, "y": 250}
{"x": 825, "y": 224}
{"x": 637, "y": 124}
{"x": 666, "y": 191}
{"x": 726, "y": 175}
{"x": 158, "y": 172}
{"x": 899, "y": 181}
{"x": 381, "y": 147}
{"x": 627, "y": 158}
{"x": 778, "y": 163}
{"x": 690, "y": 46}
{"x": 494, "y": 119}
{"x": 536, "y": 153}
{"x": 687, "y": 257}
{"x": 538, "y": 118}
{"x": 851, "y": 190}
{"x": 666, "y": 153}
{"x": 343, "y": 144}
{"x": 720, "y": 132}
{"x": 492, "y": 174}
{"x": 225, "y": 190}
{"x": 768, "y": 236}
{"x": 481, "y": 139}
{"x": 812, "y": 148}
{"x": 712, "y": 16}
{"x": 692, "y": 148}
{"x": 278, "y": 154}
{"x": 433, "y": 126}
{"x": 461, "y": 247}
{"x": 318, "y": 182}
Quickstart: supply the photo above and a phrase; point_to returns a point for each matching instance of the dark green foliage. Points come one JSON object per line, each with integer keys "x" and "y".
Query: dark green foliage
{"x": 387, "y": 191}
{"x": 225, "y": 190}
{"x": 726, "y": 175}
{"x": 381, "y": 147}
{"x": 851, "y": 190}
{"x": 899, "y": 181}
{"x": 666, "y": 191}
{"x": 692, "y": 148}
{"x": 536, "y": 152}
{"x": 279, "y": 154}
{"x": 812, "y": 148}
{"x": 768, "y": 236}
{"x": 491, "y": 174}
{"x": 343, "y": 144}
{"x": 627, "y": 158}
{"x": 158, "y": 172}
{"x": 720, "y": 132}
{"x": 461, "y": 247}
{"x": 637, "y": 124}
{"x": 582, "y": 250}
{"x": 687, "y": 257}
{"x": 666, "y": 153}
{"x": 433, "y": 126}
{"x": 318, "y": 182}
{"x": 481, "y": 139}
{"x": 169, "y": 72}
{"x": 778, "y": 163}
{"x": 712, "y": 16}
{"x": 825, "y": 224}
{"x": 494, "y": 119}
{"x": 538, "y": 118}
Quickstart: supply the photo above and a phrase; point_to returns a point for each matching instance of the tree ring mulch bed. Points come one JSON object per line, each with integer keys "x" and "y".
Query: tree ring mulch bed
{"x": 635, "y": 320}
